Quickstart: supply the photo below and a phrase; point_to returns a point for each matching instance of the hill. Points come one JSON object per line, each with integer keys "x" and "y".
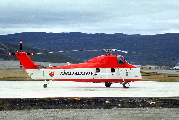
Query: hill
{"x": 157, "y": 49}
{"x": 5, "y": 48}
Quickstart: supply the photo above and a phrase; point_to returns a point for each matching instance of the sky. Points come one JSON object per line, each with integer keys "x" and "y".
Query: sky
{"x": 146, "y": 17}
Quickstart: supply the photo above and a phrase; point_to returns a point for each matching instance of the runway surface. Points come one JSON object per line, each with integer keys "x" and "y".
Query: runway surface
{"x": 34, "y": 89}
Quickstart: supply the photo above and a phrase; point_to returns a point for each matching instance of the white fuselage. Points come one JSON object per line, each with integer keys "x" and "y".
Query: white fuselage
{"x": 86, "y": 74}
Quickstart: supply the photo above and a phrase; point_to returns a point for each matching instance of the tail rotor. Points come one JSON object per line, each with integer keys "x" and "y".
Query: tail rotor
{"x": 20, "y": 45}
{"x": 20, "y": 52}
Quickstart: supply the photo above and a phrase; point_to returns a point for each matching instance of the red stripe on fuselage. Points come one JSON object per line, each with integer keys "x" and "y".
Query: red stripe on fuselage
{"x": 97, "y": 80}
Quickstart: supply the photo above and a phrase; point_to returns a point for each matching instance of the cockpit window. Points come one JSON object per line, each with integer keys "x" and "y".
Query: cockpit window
{"x": 120, "y": 60}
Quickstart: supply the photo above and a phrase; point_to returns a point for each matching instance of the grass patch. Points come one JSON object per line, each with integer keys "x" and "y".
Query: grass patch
{"x": 161, "y": 78}
{"x": 15, "y": 76}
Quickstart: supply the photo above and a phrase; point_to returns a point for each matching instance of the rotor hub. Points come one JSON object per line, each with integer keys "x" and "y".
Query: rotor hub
{"x": 109, "y": 51}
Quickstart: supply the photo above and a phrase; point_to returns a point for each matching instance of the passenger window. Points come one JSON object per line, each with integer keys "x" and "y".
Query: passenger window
{"x": 97, "y": 70}
{"x": 126, "y": 73}
{"x": 112, "y": 70}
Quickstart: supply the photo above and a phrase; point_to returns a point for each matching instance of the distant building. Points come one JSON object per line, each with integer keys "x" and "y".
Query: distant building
{"x": 150, "y": 67}
{"x": 165, "y": 67}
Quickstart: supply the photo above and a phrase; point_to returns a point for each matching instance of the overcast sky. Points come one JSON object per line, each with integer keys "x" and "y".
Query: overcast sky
{"x": 90, "y": 16}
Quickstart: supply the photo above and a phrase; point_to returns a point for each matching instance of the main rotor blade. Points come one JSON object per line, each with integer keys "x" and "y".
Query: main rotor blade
{"x": 85, "y": 50}
{"x": 30, "y": 53}
{"x": 39, "y": 53}
{"x": 63, "y": 51}
{"x": 11, "y": 53}
{"x": 147, "y": 55}
{"x": 124, "y": 51}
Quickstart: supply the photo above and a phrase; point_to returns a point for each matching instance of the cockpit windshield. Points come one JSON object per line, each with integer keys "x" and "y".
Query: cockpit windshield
{"x": 120, "y": 59}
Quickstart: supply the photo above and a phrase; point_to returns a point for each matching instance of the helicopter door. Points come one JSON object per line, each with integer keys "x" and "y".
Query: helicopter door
{"x": 95, "y": 73}
{"x": 121, "y": 73}
{"x": 106, "y": 73}
{"x": 99, "y": 73}
{"x": 124, "y": 73}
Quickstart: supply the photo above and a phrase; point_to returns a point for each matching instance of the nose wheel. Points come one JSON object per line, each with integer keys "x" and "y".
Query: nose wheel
{"x": 45, "y": 85}
{"x": 47, "y": 82}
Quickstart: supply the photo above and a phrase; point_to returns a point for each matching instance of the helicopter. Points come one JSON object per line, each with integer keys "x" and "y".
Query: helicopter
{"x": 107, "y": 69}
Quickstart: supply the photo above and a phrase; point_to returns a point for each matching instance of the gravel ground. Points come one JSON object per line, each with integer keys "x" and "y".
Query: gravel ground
{"x": 90, "y": 114}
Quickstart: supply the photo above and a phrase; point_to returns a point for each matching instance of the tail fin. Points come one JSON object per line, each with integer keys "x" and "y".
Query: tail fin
{"x": 26, "y": 61}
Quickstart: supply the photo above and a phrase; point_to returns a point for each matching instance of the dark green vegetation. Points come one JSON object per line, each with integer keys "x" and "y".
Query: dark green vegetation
{"x": 6, "y": 48}
{"x": 164, "y": 46}
{"x": 86, "y": 103}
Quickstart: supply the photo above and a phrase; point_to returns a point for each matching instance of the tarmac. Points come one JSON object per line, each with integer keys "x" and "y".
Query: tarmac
{"x": 34, "y": 89}
{"x": 88, "y": 101}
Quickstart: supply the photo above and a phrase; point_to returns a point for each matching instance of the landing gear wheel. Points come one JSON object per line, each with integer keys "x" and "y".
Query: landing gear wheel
{"x": 45, "y": 85}
{"x": 124, "y": 84}
{"x": 107, "y": 84}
